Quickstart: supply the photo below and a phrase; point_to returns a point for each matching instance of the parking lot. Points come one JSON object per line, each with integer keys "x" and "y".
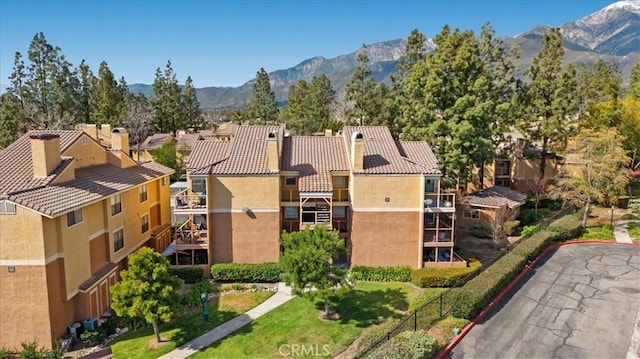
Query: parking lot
{"x": 580, "y": 301}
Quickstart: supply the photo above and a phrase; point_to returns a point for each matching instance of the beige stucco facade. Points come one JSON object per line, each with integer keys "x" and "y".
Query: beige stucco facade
{"x": 53, "y": 274}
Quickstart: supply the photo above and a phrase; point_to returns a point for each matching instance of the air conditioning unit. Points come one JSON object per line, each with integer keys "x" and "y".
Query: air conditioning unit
{"x": 75, "y": 330}
{"x": 91, "y": 324}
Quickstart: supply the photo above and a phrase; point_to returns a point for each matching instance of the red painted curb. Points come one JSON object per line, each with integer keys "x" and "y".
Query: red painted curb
{"x": 504, "y": 292}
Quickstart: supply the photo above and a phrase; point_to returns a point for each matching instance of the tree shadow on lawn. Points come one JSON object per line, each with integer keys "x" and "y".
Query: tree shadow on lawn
{"x": 368, "y": 307}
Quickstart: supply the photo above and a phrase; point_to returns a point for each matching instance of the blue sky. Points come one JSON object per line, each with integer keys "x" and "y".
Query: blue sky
{"x": 224, "y": 43}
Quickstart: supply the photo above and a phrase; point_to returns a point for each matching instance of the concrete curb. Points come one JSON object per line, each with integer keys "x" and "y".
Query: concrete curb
{"x": 447, "y": 350}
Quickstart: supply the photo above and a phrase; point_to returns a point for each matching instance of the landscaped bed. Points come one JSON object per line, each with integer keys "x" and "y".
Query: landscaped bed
{"x": 141, "y": 343}
{"x": 298, "y": 322}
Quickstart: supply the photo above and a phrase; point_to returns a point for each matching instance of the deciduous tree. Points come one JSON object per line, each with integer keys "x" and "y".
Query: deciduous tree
{"x": 147, "y": 289}
{"x": 309, "y": 261}
{"x": 596, "y": 170}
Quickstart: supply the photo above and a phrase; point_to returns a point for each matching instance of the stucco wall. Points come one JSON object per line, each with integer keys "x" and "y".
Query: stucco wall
{"x": 244, "y": 237}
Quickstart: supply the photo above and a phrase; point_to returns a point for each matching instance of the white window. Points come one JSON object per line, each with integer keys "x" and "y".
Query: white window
{"x": 74, "y": 217}
{"x": 7, "y": 207}
{"x": 290, "y": 212}
{"x": 143, "y": 193}
{"x": 118, "y": 240}
{"x": 145, "y": 223}
{"x": 290, "y": 181}
{"x": 116, "y": 204}
{"x": 471, "y": 214}
{"x": 339, "y": 212}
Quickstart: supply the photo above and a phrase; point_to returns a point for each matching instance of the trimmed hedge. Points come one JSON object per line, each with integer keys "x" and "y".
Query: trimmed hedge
{"x": 381, "y": 274}
{"x": 510, "y": 227}
{"x": 530, "y": 216}
{"x": 246, "y": 272}
{"x": 189, "y": 275}
{"x": 476, "y": 294}
{"x": 442, "y": 277}
{"x": 407, "y": 345}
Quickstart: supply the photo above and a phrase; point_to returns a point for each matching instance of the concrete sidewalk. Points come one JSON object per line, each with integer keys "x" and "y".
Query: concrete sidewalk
{"x": 282, "y": 296}
{"x": 621, "y": 233}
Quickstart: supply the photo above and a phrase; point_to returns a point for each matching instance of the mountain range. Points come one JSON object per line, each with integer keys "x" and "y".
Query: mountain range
{"x": 611, "y": 34}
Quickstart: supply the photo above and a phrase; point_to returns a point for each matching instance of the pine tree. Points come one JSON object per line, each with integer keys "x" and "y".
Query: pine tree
{"x": 106, "y": 98}
{"x": 167, "y": 101}
{"x": 323, "y": 98}
{"x": 634, "y": 80}
{"x": 359, "y": 92}
{"x": 85, "y": 78}
{"x": 192, "y": 114}
{"x": 10, "y": 117}
{"x": 262, "y": 105}
{"x": 41, "y": 73}
{"x": 551, "y": 97}
{"x": 297, "y": 114}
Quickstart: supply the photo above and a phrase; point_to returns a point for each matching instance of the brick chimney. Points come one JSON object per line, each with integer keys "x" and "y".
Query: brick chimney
{"x": 273, "y": 159}
{"x": 120, "y": 140}
{"x": 45, "y": 153}
{"x": 357, "y": 151}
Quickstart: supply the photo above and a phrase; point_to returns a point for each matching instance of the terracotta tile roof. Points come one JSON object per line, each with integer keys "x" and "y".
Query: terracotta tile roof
{"x": 91, "y": 184}
{"x": 383, "y": 156}
{"x": 315, "y": 157}
{"x": 495, "y": 197}
{"x": 188, "y": 140}
{"x": 99, "y": 274}
{"x": 16, "y": 163}
{"x": 208, "y": 153}
{"x": 247, "y": 153}
{"x": 155, "y": 141}
{"x": 420, "y": 153}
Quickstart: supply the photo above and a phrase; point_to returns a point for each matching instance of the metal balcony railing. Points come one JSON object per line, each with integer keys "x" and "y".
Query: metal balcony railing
{"x": 443, "y": 200}
{"x": 185, "y": 200}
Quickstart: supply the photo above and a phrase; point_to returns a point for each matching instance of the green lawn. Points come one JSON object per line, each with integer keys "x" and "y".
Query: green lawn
{"x": 603, "y": 232}
{"x": 298, "y": 322}
{"x": 634, "y": 231}
{"x": 141, "y": 343}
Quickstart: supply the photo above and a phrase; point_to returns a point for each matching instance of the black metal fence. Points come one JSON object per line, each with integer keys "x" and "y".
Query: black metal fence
{"x": 438, "y": 307}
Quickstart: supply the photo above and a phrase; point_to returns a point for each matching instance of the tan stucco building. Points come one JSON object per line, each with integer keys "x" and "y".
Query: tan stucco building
{"x": 382, "y": 196}
{"x": 73, "y": 206}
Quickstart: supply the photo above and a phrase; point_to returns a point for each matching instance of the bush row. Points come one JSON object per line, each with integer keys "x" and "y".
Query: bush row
{"x": 246, "y": 272}
{"x": 407, "y": 345}
{"x": 442, "y": 277}
{"x": 475, "y": 295}
{"x": 189, "y": 275}
{"x": 381, "y": 274}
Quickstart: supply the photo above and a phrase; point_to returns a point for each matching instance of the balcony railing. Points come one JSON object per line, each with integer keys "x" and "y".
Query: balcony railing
{"x": 191, "y": 233}
{"x": 340, "y": 194}
{"x": 445, "y": 223}
{"x": 290, "y": 225}
{"x": 316, "y": 217}
{"x": 290, "y": 194}
{"x": 190, "y": 200}
{"x": 443, "y": 200}
{"x": 441, "y": 236}
{"x": 342, "y": 225}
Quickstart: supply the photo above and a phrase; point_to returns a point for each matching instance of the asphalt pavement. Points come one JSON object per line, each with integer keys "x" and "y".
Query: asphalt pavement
{"x": 580, "y": 301}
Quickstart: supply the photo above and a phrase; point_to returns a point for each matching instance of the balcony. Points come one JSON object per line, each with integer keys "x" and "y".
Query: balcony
{"x": 315, "y": 217}
{"x": 441, "y": 223}
{"x": 341, "y": 225}
{"x": 340, "y": 195}
{"x": 290, "y": 225}
{"x": 438, "y": 238}
{"x": 187, "y": 201}
{"x": 191, "y": 235}
{"x": 444, "y": 202}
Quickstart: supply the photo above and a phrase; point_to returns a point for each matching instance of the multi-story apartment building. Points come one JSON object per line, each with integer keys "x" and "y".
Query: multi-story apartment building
{"x": 71, "y": 211}
{"x": 384, "y": 197}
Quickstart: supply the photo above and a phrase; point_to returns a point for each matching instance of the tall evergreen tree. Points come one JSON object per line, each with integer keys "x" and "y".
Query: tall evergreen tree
{"x": 85, "y": 78}
{"x": 323, "y": 98}
{"x": 41, "y": 74}
{"x": 359, "y": 92}
{"x": 167, "y": 101}
{"x": 297, "y": 114}
{"x": 192, "y": 113}
{"x": 106, "y": 98}
{"x": 262, "y": 106}
{"x": 598, "y": 83}
{"x": 551, "y": 96}
{"x": 10, "y": 117}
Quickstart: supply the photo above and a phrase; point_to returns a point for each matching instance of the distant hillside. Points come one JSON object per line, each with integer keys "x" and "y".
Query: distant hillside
{"x": 611, "y": 34}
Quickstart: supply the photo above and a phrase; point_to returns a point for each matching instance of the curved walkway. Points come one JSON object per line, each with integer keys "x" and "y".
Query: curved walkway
{"x": 621, "y": 233}
{"x": 578, "y": 300}
{"x": 282, "y": 296}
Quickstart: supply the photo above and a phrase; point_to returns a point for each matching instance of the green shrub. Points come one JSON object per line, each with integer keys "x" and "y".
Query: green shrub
{"x": 188, "y": 274}
{"x": 5, "y": 353}
{"x": 246, "y": 272}
{"x": 442, "y": 277}
{"x": 192, "y": 298}
{"x": 381, "y": 274}
{"x": 424, "y": 297}
{"x": 372, "y": 334}
{"x": 529, "y": 230}
{"x": 566, "y": 227}
{"x": 450, "y": 322}
{"x": 604, "y": 232}
{"x": 632, "y": 225}
{"x": 511, "y": 227}
{"x": 93, "y": 337}
{"x": 408, "y": 345}
{"x": 530, "y": 216}
{"x": 481, "y": 230}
